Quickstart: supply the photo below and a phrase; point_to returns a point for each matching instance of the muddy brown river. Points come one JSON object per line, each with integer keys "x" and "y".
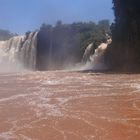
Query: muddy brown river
{"x": 63, "y": 105}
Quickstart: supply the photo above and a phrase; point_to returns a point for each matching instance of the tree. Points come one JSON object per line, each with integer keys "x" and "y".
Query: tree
{"x": 67, "y": 42}
{"x": 5, "y": 34}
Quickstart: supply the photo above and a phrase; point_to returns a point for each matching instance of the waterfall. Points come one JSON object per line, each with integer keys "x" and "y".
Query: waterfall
{"x": 87, "y": 53}
{"x": 95, "y": 61}
{"x": 18, "y": 53}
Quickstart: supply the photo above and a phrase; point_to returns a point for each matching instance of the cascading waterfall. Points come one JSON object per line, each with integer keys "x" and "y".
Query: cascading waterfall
{"x": 87, "y": 53}
{"x": 95, "y": 61}
{"x": 19, "y": 53}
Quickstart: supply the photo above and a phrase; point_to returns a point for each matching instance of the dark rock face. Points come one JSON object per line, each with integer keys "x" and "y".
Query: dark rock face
{"x": 57, "y": 48}
{"x": 125, "y": 51}
{"x": 43, "y": 49}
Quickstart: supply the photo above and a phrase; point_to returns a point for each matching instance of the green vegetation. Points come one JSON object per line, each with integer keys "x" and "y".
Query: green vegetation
{"x": 5, "y": 35}
{"x": 125, "y": 51}
{"x": 67, "y": 42}
{"x": 64, "y": 44}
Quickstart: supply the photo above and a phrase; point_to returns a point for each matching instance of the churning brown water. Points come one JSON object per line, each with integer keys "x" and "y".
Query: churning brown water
{"x": 64, "y": 105}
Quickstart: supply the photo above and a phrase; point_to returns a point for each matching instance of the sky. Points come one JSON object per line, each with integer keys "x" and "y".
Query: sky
{"x": 20, "y": 16}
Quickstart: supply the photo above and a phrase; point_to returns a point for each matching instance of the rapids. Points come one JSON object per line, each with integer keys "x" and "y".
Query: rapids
{"x": 60, "y": 105}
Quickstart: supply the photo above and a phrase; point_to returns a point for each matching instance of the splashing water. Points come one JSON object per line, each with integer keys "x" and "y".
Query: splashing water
{"x": 95, "y": 61}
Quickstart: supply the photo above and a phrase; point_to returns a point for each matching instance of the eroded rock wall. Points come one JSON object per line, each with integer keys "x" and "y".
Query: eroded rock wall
{"x": 125, "y": 51}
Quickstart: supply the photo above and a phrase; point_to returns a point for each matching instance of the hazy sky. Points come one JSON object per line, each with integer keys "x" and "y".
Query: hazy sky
{"x": 23, "y": 15}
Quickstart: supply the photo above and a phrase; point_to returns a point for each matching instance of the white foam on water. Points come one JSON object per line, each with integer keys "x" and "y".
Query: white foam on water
{"x": 14, "y": 97}
{"x": 136, "y": 86}
{"x": 23, "y": 137}
{"x": 51, "y": 82}
{"x": 7, "y": 136}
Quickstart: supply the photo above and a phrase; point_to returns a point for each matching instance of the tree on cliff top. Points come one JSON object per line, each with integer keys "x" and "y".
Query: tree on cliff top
{"x": 5, "y": 34}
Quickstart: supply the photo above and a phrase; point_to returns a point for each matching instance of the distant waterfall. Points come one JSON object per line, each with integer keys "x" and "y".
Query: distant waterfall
{"x": 19, "y": 52}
